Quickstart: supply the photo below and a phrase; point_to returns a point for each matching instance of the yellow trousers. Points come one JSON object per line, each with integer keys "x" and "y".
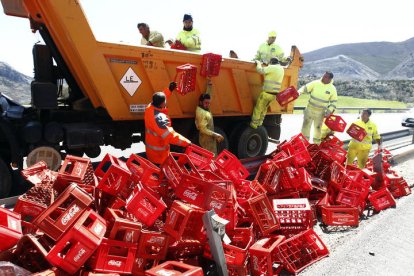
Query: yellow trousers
{"x": 360, "y": 151}
{"x": 315, "y": 117}
{"x": 260, "y": 109}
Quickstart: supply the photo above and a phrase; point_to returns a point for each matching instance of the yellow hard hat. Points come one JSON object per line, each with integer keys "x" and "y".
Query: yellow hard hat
{"x": 272, "y": 34}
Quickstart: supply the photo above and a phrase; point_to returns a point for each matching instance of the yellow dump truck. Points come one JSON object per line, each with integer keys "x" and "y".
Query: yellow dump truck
{"x": 109, "y": 86}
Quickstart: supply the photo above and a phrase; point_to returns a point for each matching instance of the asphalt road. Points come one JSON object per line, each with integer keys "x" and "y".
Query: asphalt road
{"x": 383, "y": 244}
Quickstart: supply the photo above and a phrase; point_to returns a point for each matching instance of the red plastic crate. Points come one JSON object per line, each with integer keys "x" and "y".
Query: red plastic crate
{"x": 332, "y": 140}
{"x": 79, "y": 243}
{"x": 30, "y": 204}
{"x": 236, "y": 251}
{"x": 199, "y": 156}
{"x": 337, "y": 215}
{"x": 33, "y": 171}
{"x": 334, "y": 153}
{"x": 286, "y": 96}
{"x": 10, "y": 228}
{"x": 173, "y": 268}
{"x": 63, "y": 212}
{"x": 176, "y": 165}
{"x": 263, "y": 214}
{"x": 262, "y": 255}
{"x": 266, "y": 176}
{"x": 184, "y": 221}
{"x": 114, "y": 257}
{"x": 356, "y": 132}
{"x": 144, "y": 171}
{"x": 335, "y": 123}
{"x": 75, "y": 169}
{"x": 185, "y": 249}
{"x": 145, "y": 206}
{"x": 399, "y": 189}
{"x": 296, "y": 179}
{"x": 152, "y": 245}
{"x": 231, "y": 166}
{"x": 210, "y": 65}
{"x": 294, "y": 215}
{"x": 114, "y": 175}
{"x": 300, "y": 251}
{"x": 381, "y": 199}
{"x": 186, "y": 78}
{"x": 121, "y": 226}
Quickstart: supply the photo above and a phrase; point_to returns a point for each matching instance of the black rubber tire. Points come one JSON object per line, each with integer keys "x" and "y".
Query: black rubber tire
{"x": 251, "y": 142}
{"x": 223, "y": 145}
{"x": 5, "y": 179}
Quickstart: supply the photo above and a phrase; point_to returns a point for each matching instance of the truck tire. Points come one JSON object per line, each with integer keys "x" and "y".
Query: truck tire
{"x": 223, "y": 145}
{"x": 5, "y": 179}
{"x": 250, "y": 142}
{"x": 272, "y": 124}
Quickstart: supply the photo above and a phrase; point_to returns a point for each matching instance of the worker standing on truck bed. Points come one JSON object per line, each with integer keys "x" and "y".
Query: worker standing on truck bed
{"x": 360, "y": 149}
{"x": 322, "y": 103}
{"x": 158, "y": 131}
{"x": 208, "y": 139}
{"x": 150, "y": 38}
{"x": 270, "y": 49}
{"x": 273, "y": 77}
{"x": 188, "y": 37}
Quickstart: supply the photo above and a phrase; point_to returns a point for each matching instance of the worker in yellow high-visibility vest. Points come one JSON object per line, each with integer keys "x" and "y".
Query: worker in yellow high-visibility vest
{"x": 273, "y": 77}
{"x": 189, "y": 37}
{"x": 270, "y": 49}
{"x": 360, "y": 149}
{"x": 322, "y": 103}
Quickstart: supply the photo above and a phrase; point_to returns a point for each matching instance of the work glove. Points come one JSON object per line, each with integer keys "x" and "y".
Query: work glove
{"x": 328, "y": 112}
{"x": 219, "y": 138}
{"x": 289, "y": 59}
{"x": 172, "y": 86}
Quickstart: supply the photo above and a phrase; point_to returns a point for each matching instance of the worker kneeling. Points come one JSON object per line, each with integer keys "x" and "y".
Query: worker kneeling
{"x": 273, "y": 77}
{"x": 360, "y": 149}
{"x": 158, "y": 131}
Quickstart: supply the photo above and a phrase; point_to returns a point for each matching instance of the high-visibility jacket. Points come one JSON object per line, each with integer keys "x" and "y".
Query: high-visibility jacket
{"x": 155, "y": 38}
{"x": 266, "y": 52}
{"x": 205, "y": 125}
{"x": 322, "y": 96}
{"x": 372, "y": 133}
{"x": 159, "y": 135}
{"x": 273, "y": 77}
{"x": 190, "y": 39}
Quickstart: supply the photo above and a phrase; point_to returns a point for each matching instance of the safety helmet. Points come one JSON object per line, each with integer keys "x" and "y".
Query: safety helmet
{"x": 272, "y": 34}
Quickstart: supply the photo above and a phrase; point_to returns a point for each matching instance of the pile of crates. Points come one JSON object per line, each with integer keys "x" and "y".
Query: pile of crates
{"x": 136, "y": 218}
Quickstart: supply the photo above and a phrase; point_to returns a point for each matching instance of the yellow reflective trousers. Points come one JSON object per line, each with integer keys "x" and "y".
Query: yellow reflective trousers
{"x": 260, "y": 109}
{"x": 360, "y": 151}
{"x": 313, "y": 116}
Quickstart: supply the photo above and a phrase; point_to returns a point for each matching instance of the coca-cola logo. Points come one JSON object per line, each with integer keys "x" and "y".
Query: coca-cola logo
{"x": 98, "y": 228}
{"x": 156, "y": 240}
{"x": 143, "y": 212}
{"x": 81, "y": 252}
{"x": 215, "y": 204}
{"x": 115, "y": 263}
{"x": 190, "y": 194}
{"x": 70, "y": 214}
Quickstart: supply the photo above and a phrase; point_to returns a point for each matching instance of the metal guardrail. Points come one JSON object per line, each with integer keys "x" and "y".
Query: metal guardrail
{"x": 389, "y": 136}
{"x": 388, "y": 109}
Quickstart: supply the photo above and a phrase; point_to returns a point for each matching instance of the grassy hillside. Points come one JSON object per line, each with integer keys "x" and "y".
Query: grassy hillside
{"x": 345, "y": 101}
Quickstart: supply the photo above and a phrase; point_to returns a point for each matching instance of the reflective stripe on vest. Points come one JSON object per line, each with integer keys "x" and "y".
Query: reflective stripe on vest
{"x": 273, "y": 86}
{"x": 316, "y": 105}
{"x": 319, "y": 100}
{"x": 165, "y": 134}
{"x": 157, "y": 148}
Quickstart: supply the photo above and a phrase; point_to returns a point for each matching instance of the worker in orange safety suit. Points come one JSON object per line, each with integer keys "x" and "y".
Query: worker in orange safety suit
{"x": 273, "y": 77}
{"x": 208, "y": 139}
{"x": 360, "y": 149}
{"x": 322, "y": 103}
{"x": 189, "y": 37}
{"x": 150, "y": 38}
{"x": 158, "y": 131}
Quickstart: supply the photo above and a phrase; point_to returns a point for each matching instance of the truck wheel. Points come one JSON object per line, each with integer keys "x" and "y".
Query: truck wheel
{"x": 251, "y": 142}
{"x": 223, "y": 145}
{"x": 5, "y": 179}
{"x": 272, "y": 124}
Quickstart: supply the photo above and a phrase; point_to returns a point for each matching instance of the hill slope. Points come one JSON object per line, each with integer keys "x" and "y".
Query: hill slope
{"x": 14, "y": 84}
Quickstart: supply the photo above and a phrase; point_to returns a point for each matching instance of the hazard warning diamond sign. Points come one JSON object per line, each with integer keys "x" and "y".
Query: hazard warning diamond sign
{"x": 130, "y": 81}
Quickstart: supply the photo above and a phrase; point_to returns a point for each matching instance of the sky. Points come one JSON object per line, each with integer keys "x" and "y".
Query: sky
{"x": 228, "y": 24}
